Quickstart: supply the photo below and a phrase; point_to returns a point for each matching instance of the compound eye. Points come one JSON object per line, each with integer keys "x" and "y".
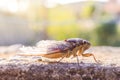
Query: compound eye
{"x": 84, "y": 42}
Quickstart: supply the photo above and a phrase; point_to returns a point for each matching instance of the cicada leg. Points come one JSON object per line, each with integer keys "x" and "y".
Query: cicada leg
{"x": 61, "y": 58}
{"x": 68, "y": 54}
{"x": 76, "y": 55}
{"x": 88, "y": 55}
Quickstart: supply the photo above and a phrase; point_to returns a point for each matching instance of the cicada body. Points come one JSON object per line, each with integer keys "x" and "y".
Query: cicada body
{"x": 58, "y": 49}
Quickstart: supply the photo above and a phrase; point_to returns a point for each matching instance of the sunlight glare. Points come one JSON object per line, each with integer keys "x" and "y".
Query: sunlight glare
{"x": 13, "y": 5}
{"x": 53, "y": 3}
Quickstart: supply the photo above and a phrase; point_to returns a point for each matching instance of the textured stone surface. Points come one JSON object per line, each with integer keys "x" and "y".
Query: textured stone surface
{"x": 57, "y": 71}
{"x": 28, "y": 68}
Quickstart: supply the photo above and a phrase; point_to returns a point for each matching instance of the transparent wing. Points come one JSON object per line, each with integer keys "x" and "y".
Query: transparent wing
{"x": 45, "y": 47}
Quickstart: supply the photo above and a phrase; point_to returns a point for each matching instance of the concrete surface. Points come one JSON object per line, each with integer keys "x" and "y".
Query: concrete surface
{"x": 29, "y": 68}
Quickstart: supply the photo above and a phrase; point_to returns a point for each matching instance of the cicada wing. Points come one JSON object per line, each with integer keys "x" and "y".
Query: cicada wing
{"x": 35, "y": 51}
{"x": 46, "y": 47}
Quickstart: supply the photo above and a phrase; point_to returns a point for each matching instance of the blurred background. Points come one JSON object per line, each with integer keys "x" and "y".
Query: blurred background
{"x": 28, "y": 21}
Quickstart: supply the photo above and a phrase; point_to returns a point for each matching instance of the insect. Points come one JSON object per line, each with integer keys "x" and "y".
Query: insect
{"x": 59, "y": 49}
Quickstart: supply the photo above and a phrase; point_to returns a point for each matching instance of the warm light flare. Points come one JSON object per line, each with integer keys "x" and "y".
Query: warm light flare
{"x": 22, "y": 5}
{"x": 13, "y": 5}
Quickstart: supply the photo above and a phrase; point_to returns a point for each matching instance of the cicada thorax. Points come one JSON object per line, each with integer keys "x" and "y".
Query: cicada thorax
{"x": 78, "y": 45}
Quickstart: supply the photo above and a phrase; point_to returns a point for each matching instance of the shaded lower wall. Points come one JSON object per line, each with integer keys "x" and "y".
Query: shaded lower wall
{"x": 20, "y": 70}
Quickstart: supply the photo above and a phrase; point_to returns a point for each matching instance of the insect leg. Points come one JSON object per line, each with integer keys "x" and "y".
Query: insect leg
{"x": 80, "y": 51}
{"x": 76, "y": 55}
{"x": 88, "y": 55}
{"x": 77, "y": 60}
{"x": 61, "y": 58}
{"x": 68, "y": 54}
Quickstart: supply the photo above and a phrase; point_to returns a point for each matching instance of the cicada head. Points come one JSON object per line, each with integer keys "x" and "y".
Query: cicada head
{"x": 76, "y": 42}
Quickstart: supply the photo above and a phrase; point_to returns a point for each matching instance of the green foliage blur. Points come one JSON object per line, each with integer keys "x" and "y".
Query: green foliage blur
{"x": 89, "y": 20}
{"x": 103, "y": 32}
{"x": 88, "y": 10}
{"x": 106, "y": 33}
{"x": 95, "y": 21}
{"x": 64, "y": 22}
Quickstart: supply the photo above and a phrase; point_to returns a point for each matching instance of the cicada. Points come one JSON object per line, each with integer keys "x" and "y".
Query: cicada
{"x": 59, "y": 49}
